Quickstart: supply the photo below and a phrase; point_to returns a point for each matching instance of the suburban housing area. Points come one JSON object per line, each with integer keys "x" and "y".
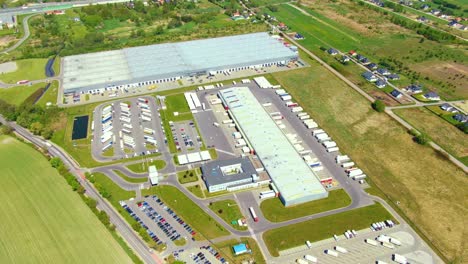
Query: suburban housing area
{"x": 234, "y": 131}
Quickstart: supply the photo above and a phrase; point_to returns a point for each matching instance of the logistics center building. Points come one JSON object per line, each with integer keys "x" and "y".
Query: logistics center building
{"x": 295, "y": 181}
{"x": 148, "y": 65}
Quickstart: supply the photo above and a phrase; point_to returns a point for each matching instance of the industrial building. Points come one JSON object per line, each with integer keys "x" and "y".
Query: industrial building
{"x": 295, "y": 181}
{"x": 232, "y": 174}
{"x": 149, "y": 65}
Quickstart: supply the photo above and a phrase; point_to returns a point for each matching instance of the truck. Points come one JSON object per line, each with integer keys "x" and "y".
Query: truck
{"x": 383, "y": 238}
{"x": 342, "y": 158}
{"x": 371, "y": 242}
{"x": 309, "y": 245}
{"x": 380, "y": 262}
{"x": 355, "y": 173}
{"x": 317, "y": 131}
{"x": 359, "y": 177}
{"x": 128, "y": 126}
{"x": 310, "y": 125}
{"x": 310, "y": 258}
{"x": 347, "y": 164}
{"x": 142, "y": 100}
{"x": 341, "y": 249}
{"x": 329, "y": 144}
{"x": 265, "y": 195}
{"x": 301, "y": 261}
{"x": 291, "y": 104}
{"x": 254, "y": 215}
{"x": 321, "y": 136}
{"x": 148, "y": 131}
{"x": 387, "y": 245}
{"x": 399, "y": 259}
{"x": 296, "y": 109}
{"x": 126, "y": 131}
{"x": 395, "y": 241}
{"x": 331, "y": 252}
{"x": 301, "y": 114}
{"x": 334, "y": 149}
{"x": 286, "y": 97}
{"x": 146, "y": 118}
{"x": 304, "y": 117}
{"x": 215, "y": 124}
{"x": 228, "y": 121}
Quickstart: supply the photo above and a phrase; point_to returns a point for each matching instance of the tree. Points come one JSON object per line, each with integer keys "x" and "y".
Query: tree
{"x": 55, "y": 162}
{"x": 378, "y": 106}
{"x": 422, "y": 139}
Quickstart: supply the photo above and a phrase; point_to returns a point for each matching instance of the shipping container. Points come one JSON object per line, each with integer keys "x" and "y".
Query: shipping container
{"x": 254, "y": 215}
{"x": 126, "y": 131}
{"x": 331, "y": 252}
{"x": 310, "y": 258}
{"x": 148, "y": 131}
{"x": 106, "y": 147}
{"x": 125, "y": 119}
{"x": 231, "y": 125}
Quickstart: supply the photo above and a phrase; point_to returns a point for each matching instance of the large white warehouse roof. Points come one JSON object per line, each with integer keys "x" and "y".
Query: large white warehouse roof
{"x": 296, "y": 182}
{"x": 155, "y": 62}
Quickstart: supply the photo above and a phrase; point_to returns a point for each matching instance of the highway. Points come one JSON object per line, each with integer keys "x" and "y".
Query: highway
{"x": 122, "y": 227}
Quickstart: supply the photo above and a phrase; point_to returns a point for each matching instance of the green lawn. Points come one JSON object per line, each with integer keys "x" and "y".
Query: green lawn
{"x": 229, "y": 211}
{"x": 143, "y": 167}
{"x": 130, "y": 179}
{"x": 196, "y": 190}
{"x": 321, "y": 228}
{"x": 386, "y": 152}
{"x": 50, "y": 95}
{"x": 274, "y": 210}
{"x": 38, "y": 225}
{"x": 225, "y": 248}
{"x": 188, "y": 176}
{"x": 188, "y": 210}
{"x": 441, "y": 132}
{"x": 29, "y": 69}
{"x": 18, "y": 94}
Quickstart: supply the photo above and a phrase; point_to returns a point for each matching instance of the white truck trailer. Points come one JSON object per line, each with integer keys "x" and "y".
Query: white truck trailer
{"x": 331, "y": 252}
{"x": 355, "y": 172}
{"x": 399, "y": 259}
{"x": 371, "y": 242}
{"x": 297, "y": 109}
{"x": 311, "y": 258}
{"x": 317, "y": 131}
{"x": 359, "y": 177}
{"x": 334, "y": 149}
{"x": 329, "y": 144}
{"x": 342, "y": 158}
{"x": 341, "y": 249}
{"x": 347, "y": 164}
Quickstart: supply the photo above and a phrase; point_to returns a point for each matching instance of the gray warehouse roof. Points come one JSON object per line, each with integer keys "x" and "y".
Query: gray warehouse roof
{"x": 295, "y": 180}
{"x": 214, "y": 176}
{"x": 146, "y": 63}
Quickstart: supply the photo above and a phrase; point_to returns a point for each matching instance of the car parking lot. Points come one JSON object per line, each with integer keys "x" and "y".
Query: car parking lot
{"x": 201, "y": 255}
{"x": 131, "y": 127}
{"x": 186, "y": 137}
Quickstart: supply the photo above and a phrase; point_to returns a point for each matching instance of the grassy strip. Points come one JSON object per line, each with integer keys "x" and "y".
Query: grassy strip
{"x": 274, "y": 210}
{"x": 143, "y": 167}
{"x": 188, "y": 210}
{"x": 229, "y": 211}
{"x": 322, "y": 228}
{"x": 130, "y": 179}
{"x": 188, "y": 175}
{"x": 196, "y": 190}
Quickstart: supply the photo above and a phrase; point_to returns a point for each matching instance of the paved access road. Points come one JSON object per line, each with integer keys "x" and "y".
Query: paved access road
{"x": 23, "y": 38}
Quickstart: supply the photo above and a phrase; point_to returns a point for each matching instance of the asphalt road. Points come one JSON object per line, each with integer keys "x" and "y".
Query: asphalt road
{"x": 22, "y": 39}
{"x": 121, "y": 226}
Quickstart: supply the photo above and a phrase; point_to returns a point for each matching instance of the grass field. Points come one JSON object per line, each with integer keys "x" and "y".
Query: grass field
{"x": 322, "y": 228}
{"x": 274, "y": 210}
{"x": 43, "y": 220}
{"x": 130, "y": 179}
{"x": 17, "y": 95}
{"x": 50, "y": 95}
{"x": 188, "y": 210}
{"x": 225, "y": 248}
{"x": 441, "y": 132}
{"x": 425, "y": 187}
{"x": 29, "y": 69}
{"x": 143, "y": 167}
{"x": 188, "y": 176}
{"x": 196, "y": 190}
{"x": 229, "y": 211}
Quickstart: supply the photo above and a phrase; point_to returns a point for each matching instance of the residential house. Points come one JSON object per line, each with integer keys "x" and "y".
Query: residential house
{"x": 352, "y": 53}
{"x": 461, "y": 118}
{"x": 395, "y": 93}
{"x": 366, "y": 61}
{"x": 332, "y": 51}
{"x": 380, "y": 83}
{"x": 370, "y": 76}
{"x": 414, "y": 88}
{"x": 393, "y": 77}
{"x": 383, "y": 71}
{"x": 7, "y": 21}
{"x": 360, "y": 57}
{"x": 433, "y": 96}
{"x": 447, "y": 107}
{"x": 372, "y": 66}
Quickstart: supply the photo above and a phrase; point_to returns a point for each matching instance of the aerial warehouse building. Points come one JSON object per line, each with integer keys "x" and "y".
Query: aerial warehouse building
{"x": 149, "y": 65}
{"x": 295, "y": 181}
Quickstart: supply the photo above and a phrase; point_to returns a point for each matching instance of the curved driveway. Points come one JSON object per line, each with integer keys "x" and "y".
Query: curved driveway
{"x": 26, "y": 35}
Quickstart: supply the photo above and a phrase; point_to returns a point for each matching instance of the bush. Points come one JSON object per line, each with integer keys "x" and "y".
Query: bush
{"x": 422, "y": 139}
{"x": 378, "y": 106}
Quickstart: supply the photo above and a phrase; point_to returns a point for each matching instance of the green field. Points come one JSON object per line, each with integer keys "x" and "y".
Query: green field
{"x": 225, "y": 248}
{"x": 143, "y": 167}
{"x": 130, "y": 179}
{"x": 441, "y": 132}
{"x": 18, "y": 94}
{"x": 386, "y": 152}
{"x": 188, "y": 176}
{"x": 229, "y": 211}
{"x": 29, "y": 69}
{"x": 325, "y": 227}
{"x": 188, "y": 210}
{"x": 43, "y": 220}
{"x": 177, "y": 103}
{"x": 196, "y": 190}
{"x": 274, "y": 210}
{"x": 50, "y": 95}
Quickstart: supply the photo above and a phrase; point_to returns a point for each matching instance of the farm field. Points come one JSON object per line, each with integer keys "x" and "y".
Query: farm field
{"x": 440, "y": 131}
{"x": 324, "y": 227}
{"x": 274, "y": 210}
{"x": 344, "y": 26}
{"x": 28, "y": 69}
{"x": 18, "y": 94}
{"x": 50, "y": 225}
{"x": 425, "y": 187}
{"x": 188, "y": 211}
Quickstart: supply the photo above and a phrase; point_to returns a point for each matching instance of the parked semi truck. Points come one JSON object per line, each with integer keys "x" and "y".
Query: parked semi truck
{"x": 311, "y": 258}
{"x": 331, "y": 252}
{"x": 254, "y": 215}
{"x": 399, "y": 259}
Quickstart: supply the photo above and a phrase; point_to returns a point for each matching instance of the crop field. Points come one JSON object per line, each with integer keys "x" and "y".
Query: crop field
{"x": 325, "y": 227}
{"x": 274, "y": 210}
{"x": 29, "y": 69}
{"x": 440, "y": 131}
{"x": 344, "y": 25}
{"x": 423, "y": 182}
{"x": 43, "y": 221}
